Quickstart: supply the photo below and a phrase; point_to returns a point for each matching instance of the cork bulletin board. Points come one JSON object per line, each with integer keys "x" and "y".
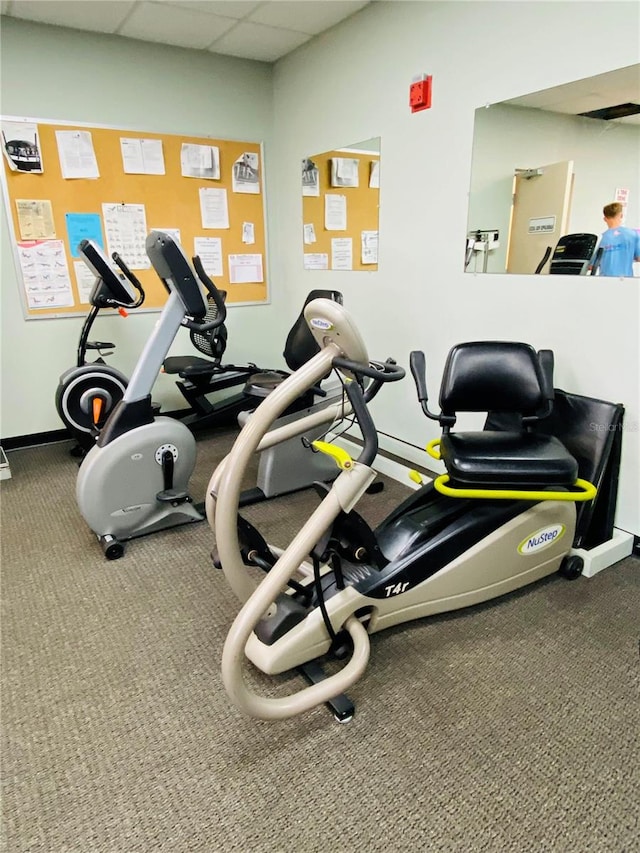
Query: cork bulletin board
{"x": 208, "y": 192}
{"x": 361, "y": 212}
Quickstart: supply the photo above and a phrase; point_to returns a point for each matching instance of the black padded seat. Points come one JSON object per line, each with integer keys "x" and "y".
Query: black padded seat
{"x": 299, "y": 348}
{"x": 187, "y": 365}
{"x": 505, "y": 377}
{"x": 507, "y": 460}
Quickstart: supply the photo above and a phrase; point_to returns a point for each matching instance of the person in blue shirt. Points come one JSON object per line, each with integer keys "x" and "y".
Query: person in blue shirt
{"x": 620, "y": 246}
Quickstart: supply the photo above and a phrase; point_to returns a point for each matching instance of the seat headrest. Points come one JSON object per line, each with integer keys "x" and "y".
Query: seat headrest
{"x": 498, "y": 376}
{"x": 300, "y": 345}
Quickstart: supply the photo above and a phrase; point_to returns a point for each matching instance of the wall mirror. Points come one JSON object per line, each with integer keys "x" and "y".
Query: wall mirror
{"x": 340, "y": 205}
{"x": 545, "y": 164}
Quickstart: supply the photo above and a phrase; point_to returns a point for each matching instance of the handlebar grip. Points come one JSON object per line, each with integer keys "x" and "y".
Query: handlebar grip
{"x": 418, "y": 366}
{"x": 131, "y": 277}
{"x": 213, "y": 291}
{"x": 100, "y": 345}
{"x": 365, "y": 422}
{"x": 387, "y": 371}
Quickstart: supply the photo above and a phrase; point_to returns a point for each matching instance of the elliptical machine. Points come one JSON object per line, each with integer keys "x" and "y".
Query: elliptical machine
{"x": 135, "y": 479}
{"x": 503, "y": 516}
{"x": 87, "y": 393}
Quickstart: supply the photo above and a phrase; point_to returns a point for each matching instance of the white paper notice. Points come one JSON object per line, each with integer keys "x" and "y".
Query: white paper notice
{"x": 77, "y": 157}
{"x": 142, "y": 156}
{"x": 341, "y": 253}
{"x": 45, "y": 273}
{"x": 374, "y": 175}
{"x": 200, "y": 161}
{"x": 344, "y": 172}
{"x": 209, "y": 250}
{"x": 85, "y": 280}
{"x": 369, "y": 247}
{"x": 246, "y": 174}
{"x": 621, "y": 195}
{"x": 245, "y": 269}
{"x": 35, "y": 218}
{"x": 213, "y": 208}
{"x": 310, "y": 178}
{"x": 248, "y": 233}
{"x": 335, "y": 212}
{"x": 309, "y": 233}
{"x": 21, "y": 146}
{"x": 316, "y": 261}
{"x": 125, "y": 227}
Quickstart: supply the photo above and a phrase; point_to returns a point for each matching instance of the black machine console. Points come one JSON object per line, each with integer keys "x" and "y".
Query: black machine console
{"x": 109, "y": 286}
{"x": 171, "y": 264}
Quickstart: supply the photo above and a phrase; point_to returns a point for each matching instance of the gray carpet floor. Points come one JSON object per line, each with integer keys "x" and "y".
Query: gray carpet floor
{"x": 512, "y": 726}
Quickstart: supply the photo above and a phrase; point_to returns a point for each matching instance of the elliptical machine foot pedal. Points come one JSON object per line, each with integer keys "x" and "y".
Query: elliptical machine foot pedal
{"x": 169, "y": 495}
{"x": 340, "y": 706}
{"x": 375, "y": 488}
{"x": 173, "y": 496}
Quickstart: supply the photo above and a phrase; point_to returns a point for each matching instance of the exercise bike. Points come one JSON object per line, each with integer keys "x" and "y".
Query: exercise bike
{"x": 87, "y": 393}
{"x": 503, "y": 516}
{"x": 134, "y": 481}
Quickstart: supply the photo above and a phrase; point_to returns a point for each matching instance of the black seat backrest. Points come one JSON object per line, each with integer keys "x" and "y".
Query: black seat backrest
{"x": 214, "y": 342}
{"x": 174, "y": 269}
{"x": 300, "y": 345}
{"x": 573, "y": 254}
{"x": 498, "y": 376}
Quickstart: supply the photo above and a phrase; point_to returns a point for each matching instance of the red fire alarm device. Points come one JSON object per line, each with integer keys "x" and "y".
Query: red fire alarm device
{"x": 420, "y": 93}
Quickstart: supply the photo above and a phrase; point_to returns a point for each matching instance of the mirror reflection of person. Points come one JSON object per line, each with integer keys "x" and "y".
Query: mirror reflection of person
{"x": 620, "y": 245}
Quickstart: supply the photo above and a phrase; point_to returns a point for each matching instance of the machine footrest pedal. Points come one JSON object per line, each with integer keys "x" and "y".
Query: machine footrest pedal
{"x": 173, "y": 496}
{"x": 340, "y": 706}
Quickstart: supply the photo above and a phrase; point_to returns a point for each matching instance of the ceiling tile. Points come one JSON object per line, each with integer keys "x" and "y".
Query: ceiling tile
{"x": 97, "y": 16}
{"x": 253, "y": 41}
{"x": 312, "y": 16}
{"x": 168, "y": 24}
{"x": 226, "y": 8}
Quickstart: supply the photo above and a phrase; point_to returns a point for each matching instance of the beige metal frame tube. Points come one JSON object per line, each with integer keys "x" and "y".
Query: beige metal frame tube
{"x": 351, "y": 482}
{"x": 222, "y": 512}
{"x": 334, "y": 411}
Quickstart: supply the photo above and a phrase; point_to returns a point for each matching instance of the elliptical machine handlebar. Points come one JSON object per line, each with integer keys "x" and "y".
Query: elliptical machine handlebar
{"x": 380, "y": 372}
{"x": 109, "y": 290}
{"x": 337, "y": 336}
{"x": 132, "y": 278}
{"x": 365, "y": 422}
{"x": 418, "y": 366}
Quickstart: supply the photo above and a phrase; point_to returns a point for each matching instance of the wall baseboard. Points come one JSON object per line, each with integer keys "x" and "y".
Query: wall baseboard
{"x": 602, "y": 556}
{"x": 36, "y": 439}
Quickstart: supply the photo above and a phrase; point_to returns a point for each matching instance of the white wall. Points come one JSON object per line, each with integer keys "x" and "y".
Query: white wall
{"x": 55, "y": 73}
{"x": 352, "y": 83}
{"x": 605, "y": 156}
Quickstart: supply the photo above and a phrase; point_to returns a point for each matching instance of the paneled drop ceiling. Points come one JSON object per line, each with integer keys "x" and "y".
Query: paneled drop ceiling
{"x": 264, "y": 31}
